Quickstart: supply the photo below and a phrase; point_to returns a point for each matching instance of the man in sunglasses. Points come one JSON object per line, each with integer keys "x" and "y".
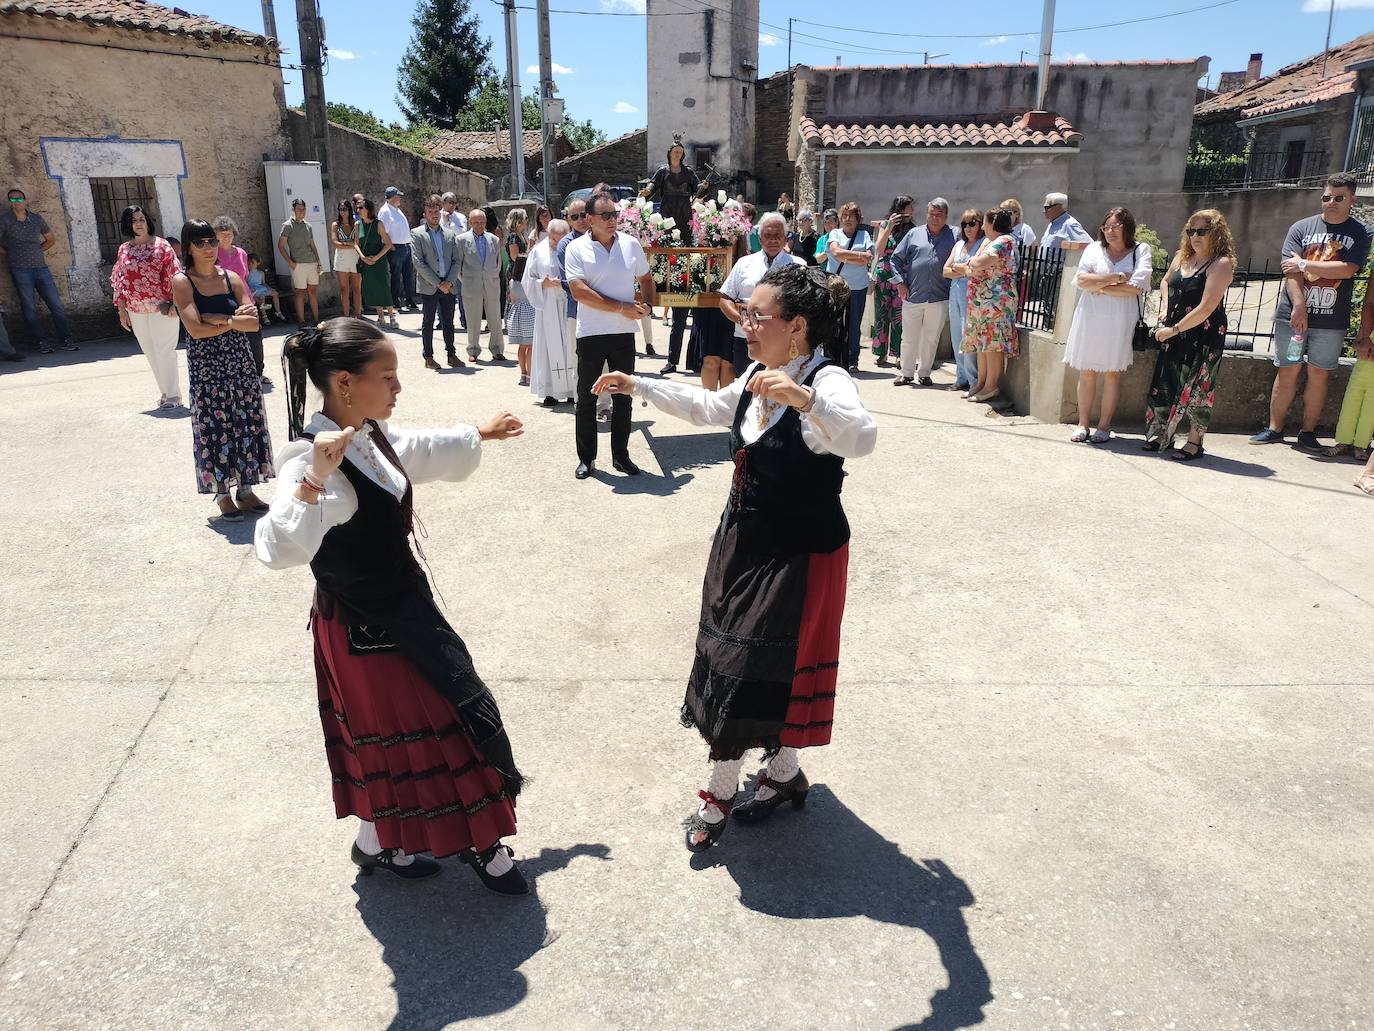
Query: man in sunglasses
{"x": 26, "y": 240}
{"x": 1321, "y": 257}
{"x": 1063, "y": 227}
{"x": 577, "y": 217}
{"x": 602, "y": 269}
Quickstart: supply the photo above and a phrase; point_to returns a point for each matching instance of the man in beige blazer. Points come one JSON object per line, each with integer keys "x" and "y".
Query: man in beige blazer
{"x": 479, "y": 265}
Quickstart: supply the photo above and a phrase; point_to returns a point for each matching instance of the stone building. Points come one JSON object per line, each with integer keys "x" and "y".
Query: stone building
{"x": 117, "y": 102}
{"x": 488, "y": 152}
{"x": 623, "y": 161}
{"x": 1112, "y": 132}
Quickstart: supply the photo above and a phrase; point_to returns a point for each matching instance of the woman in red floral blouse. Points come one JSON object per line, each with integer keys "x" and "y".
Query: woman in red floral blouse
{"x": 142, "y": 282}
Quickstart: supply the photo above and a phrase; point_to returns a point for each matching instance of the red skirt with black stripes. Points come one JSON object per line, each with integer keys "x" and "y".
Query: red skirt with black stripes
{"x": 768, "y": 649}
{"x": 398, "y": 753}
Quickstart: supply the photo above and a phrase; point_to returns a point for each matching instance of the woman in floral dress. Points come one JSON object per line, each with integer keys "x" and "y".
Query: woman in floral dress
{"x": 1192, "y": 336}
{"x": 141, "y": 281}
{"x": 228, "y": 423}
{"x": 990, "y": 329}
{"x": 887, "y": 303}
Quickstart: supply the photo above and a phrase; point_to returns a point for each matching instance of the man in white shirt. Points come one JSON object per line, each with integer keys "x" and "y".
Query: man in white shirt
{"x": 397, "y": 228}
{"x": 602, "y": 268}
{"x": 739, "y": 284}
{"x": 1063, "y": 227}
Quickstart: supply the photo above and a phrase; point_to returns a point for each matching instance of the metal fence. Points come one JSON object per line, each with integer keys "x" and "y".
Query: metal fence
{"x": 1262, "y": 168}
{"x": 1038, "y": 274}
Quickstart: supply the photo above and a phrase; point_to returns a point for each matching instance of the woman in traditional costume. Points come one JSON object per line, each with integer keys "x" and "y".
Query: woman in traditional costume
{"x": 769, "y": 643}
{"x": 413, "y": 736}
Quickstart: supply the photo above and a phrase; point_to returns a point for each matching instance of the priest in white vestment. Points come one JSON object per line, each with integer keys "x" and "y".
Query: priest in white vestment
{"x": 553, "y": 366}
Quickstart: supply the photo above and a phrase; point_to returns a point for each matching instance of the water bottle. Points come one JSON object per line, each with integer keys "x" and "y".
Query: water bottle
{"x": 1295, "y": 346}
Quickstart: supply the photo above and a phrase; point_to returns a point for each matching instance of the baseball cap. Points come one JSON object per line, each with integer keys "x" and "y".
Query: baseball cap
{"x": 391, "y": 191}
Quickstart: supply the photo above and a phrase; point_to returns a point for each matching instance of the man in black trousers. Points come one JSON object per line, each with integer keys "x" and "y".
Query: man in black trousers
{"x": 602, "y": 268}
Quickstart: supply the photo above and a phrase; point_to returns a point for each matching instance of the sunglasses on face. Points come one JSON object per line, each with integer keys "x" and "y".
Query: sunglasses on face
{"x": 578, "y": 217}
{"x": 970, "y": 222}
{"x": 204, "y": 241}
{"x": 1048, "y": 206}
{"x": 1198, "y": 232}
{"x": 605, "y": 216}
{"x": 16, "y": 200}
{"x": 1328, "y": 198}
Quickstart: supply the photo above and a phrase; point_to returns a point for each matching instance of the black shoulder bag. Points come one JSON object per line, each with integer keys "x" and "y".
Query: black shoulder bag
{"x": 1142, "y": 339}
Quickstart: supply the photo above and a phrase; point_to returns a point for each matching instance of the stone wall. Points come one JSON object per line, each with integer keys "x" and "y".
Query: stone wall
{"x": 197, "y": 118}
{"x": 1258, "y": 219}
{"x": 771, "y": 167}
{"x": 623, "y": 161}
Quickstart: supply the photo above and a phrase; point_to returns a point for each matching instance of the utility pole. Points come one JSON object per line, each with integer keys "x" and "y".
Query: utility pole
{"x": 547, "y": 124}
{"x": 1042, "y": 83}
{"x": 1330, "y": 16}
{"x": 312, "y": 79}
{"x": 269, "y": 19}
{"x": 517, "y": 120}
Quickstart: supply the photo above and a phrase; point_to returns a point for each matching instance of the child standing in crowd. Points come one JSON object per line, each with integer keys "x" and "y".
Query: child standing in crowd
{"x": 257, "y": 285}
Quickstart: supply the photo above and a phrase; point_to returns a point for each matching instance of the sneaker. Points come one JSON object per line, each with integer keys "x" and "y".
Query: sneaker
{"x": 1267, "y": 436}
{"x": 69, "y": 346}
{"x": 1307, "y": 441}
{"x": 45, "y": 348}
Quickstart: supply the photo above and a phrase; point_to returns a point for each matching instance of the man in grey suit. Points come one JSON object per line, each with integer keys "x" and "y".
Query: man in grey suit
{"x": 436, "y": 280}
{"x": 479, "y": 263}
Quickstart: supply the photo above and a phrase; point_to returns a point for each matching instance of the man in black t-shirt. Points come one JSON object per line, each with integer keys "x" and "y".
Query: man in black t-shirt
{"x": 1321, "y": 257}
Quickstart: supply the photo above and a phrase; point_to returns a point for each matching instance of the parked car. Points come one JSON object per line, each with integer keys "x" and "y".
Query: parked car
{"x": 585, "y": 194}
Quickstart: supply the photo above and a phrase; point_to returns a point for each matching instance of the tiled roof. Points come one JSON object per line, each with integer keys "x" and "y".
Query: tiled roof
{"x": 134, "y": 14}
{"x": 1328, "y": 89}
{"x": 452, "y": 145}
{"x": 1003, "y": 64}
{"x": 623, "y": 138}
{"x": 977, "y": 131}
{"x": 1290, "y": 82}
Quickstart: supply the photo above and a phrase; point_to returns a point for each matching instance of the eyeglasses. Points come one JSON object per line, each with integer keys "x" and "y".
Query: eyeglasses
{"x": 605, "y": 216}
{"x": 970, "y": 222}
{"x": 1047, "y": 207}
{"x": 16, "y": 200}
{"x": 204, "y": 241}
{"x": 1327, "y": 198}
{"x": 578, "y": 217}
{"x": 752, "y": 319}
{"x": 1197, "y": 232}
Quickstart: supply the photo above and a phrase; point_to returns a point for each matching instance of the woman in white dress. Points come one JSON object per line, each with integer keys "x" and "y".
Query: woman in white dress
{"x": 1113, "y": 274}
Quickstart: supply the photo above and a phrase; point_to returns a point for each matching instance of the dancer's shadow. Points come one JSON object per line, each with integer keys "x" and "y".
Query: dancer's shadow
{"x": 454, "y": 948}
{"x": 834, "y": 866}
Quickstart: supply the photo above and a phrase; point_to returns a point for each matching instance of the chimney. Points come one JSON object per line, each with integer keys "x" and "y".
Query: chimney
{"x": 1038, "y": 121}
{"x": 1252, "y": 70}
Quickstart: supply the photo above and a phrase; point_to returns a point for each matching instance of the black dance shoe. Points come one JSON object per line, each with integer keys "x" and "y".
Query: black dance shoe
{"x": 794, "y": 791}
{"x": 512, "y": 882}
{"x": 385, "y": 860}
{"x": 583, "y": 470}
{"x": 700, "y": 834}
{"x": 624, "y": 465}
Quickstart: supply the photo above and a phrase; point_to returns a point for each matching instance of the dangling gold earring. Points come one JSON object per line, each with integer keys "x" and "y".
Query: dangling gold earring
{"x": 792, "y": 351}
{"x": 348, "y": 399}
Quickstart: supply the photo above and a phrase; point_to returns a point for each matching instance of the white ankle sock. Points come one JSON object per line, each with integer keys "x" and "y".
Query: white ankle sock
{"x": 723, "y": 785}
{"x": 500, "y": 863}
{"x": 369, "y": 845}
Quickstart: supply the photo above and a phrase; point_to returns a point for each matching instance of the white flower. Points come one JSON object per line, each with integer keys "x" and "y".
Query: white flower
{"x": 641, "y": 202}
{"x": 655, "y": 219}
{"x": 720, "y": 197}
{"x": 668, "y": 223}
{"x": 677, "y": 236}
{"x": 711, "y": 205}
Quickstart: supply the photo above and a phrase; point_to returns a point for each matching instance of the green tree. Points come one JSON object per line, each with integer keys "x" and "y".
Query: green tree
{"x": 444, "y": 65}
{"x": 490, "y": 106}
{"x": 582, "y": 134}
{"x": 415, "y": 138}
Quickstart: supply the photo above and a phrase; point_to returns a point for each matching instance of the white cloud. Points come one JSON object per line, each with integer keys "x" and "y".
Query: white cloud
{"x": 623, "y": 108}
{"x": 1078, "y": 58}
{"x": 342, "y": 55}
{"x": 767, "y": 39}
{"x": 558, "y": 69}
{"x": 994, "y": 41}
{"x": 633, "y": 6}
{"x": 1322, "y": 6}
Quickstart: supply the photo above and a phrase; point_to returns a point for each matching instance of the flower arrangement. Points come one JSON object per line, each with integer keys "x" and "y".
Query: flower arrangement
{"x": 688, "y": 273}
{"x": 638, "y": 218}
{"x": 717, "y": 223}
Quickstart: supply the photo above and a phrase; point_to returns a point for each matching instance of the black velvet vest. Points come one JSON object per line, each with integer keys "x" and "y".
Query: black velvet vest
{"x": 785, "y": 498}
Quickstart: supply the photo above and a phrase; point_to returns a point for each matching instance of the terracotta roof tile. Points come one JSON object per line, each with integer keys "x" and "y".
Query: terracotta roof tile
{"x": 135, "y": 14}
{"x": 1328, "y": 89}
{"x": 1002, "y": 64}
{"x": 453, "y": 145}
{"x": 1290, "y": 82}
{"x": 974, "y": 131}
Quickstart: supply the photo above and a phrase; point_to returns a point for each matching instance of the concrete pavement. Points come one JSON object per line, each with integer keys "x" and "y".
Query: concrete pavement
{"x": 1102, "y": 757}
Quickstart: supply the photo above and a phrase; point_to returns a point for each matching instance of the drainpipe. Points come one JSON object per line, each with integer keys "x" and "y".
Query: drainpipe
{"x": 1042, "y": 83}
{"x": 1354, "y": 125}
{"x": 820, "y": 190}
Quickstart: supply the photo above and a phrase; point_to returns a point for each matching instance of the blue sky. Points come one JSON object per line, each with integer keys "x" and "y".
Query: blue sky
{"x": 604, "y": 78}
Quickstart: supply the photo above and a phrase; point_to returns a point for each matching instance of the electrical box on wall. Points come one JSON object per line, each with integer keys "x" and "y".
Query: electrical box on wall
{"x": 286, "y": 181}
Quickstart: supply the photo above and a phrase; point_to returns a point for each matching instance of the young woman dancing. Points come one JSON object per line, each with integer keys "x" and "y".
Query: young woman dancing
{"x": 413, "y": 737}
{"x": 768, "y": 646}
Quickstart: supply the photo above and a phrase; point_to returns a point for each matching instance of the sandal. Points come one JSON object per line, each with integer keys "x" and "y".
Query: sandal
{"x": 230, "y": 514}
{"x": 1366, "y": 484}
{"x": 1099, "y": 436}
{"x": 1151, "y": 445}
{"x": 1080, "y": 436}
{"x": 712, "y": 832}
{"x": 1182, "y": 454}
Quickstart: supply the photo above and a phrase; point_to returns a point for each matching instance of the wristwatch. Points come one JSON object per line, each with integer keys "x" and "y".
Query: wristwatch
{"x": 1302, "y": 264}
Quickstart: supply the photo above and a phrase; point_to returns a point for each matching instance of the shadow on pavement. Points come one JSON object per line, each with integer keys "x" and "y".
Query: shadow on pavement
{"x": 454, "y": 948}
{"x": 1209, "y": 461}
{"x": 834, "y": 865}
{"x": 92, "y": 351}
{"x": 688, "y": 450}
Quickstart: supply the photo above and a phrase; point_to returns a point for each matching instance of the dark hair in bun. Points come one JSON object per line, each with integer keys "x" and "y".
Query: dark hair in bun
{"x": 821, "y": 299}
{"x": 317, "y": 352}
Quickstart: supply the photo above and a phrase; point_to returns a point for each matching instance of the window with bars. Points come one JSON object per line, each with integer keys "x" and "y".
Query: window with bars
{"x": 112, "y": 196}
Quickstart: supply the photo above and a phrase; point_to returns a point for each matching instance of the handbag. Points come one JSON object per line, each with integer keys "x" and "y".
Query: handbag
{"x": 1142, "y": 338}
